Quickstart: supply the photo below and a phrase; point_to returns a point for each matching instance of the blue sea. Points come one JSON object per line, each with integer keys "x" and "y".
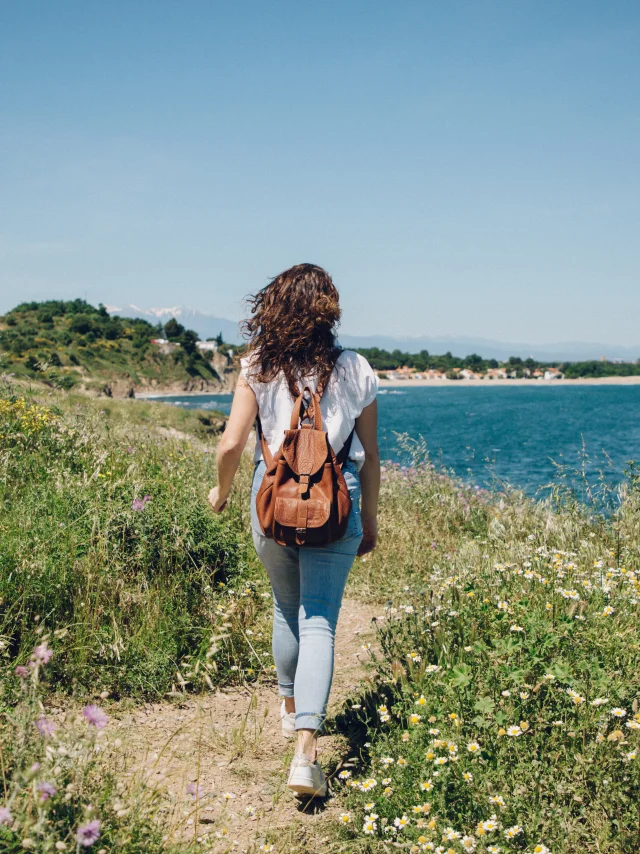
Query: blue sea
{"x": 520, "y": 434}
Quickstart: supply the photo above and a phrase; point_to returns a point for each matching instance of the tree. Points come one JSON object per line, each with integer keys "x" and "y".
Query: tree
{"x": 81, "y": 323}
{"x": 473, "y": 361}
{"x": 188, "y": 341}
{"x": 173, "y": 330}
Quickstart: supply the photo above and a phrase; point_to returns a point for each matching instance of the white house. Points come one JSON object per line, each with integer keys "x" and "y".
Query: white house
{"x": 207, "y": 346}
{"x": 553, "y": 374}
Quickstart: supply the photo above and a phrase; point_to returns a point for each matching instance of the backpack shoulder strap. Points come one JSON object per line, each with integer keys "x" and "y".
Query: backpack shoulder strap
{"x": 321, "y": 388}
{"x": 267, "y": 456}
{"x": 343, "y": 453}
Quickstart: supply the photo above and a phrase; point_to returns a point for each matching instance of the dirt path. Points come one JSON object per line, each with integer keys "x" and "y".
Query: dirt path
{"x": 228, "y": 748}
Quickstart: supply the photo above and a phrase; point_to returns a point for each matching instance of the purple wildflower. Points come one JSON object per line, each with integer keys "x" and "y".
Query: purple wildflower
{"x": 95, "y": 716}
{"x": 45, "y": 726}
{"x": 42, "y": 654}
{"x": 5, "y": 816}
{"x": 22, "y": 671}
{"x": 140, "y": 503}
{"x": 195, "y": 790}
{"x": 47, "y": 790}
{"x": 88, "y": 833}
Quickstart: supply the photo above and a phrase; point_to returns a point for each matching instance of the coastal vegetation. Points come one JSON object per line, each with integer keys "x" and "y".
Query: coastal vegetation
{"x": 514, "y": 367}
{"x": 68, "y": 344}
{"x": 116, "y": 581}
{"x": 106, "y": 535}
{"x": 500, "y": 713}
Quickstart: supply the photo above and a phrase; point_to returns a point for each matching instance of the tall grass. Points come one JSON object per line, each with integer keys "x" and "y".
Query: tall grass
{"x": 106, "y": 539}
{"x": 502, "y": 714}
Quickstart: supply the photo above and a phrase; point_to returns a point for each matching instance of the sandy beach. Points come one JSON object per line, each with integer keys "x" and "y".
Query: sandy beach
{"x": 151, "y": 395}
{"x": 510, "y": 383}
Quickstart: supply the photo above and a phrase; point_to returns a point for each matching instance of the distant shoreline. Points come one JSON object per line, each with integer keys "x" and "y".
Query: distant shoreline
{"x": 587, "y": 381}
{"x": 635, "y": 380}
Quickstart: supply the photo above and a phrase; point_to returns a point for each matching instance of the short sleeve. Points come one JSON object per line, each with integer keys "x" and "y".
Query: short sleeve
{"x": 369, "y": 382}
{"x": 245, "y": 372}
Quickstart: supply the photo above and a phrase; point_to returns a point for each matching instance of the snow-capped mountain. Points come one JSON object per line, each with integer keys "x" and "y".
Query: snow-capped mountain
{"x": 206, "y": 325}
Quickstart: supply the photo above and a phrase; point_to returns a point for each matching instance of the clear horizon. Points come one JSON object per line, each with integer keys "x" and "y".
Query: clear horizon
{"x": 468, "y": 170}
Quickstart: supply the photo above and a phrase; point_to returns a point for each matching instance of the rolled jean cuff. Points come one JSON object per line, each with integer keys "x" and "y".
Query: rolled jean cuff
{"x": 285, "y": 689}
{"x": 310, "y": 720}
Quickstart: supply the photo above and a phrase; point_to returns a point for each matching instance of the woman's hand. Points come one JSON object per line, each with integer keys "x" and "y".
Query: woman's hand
{"x": 217, "y": 501}
{"x": 369, "y": 536}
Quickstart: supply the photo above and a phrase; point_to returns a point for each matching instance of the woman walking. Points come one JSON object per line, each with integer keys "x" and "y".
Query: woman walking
{"x": 293, "y": 359}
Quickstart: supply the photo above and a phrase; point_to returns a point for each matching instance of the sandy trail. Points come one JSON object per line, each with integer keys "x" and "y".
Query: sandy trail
{"x": 230, "y": 746}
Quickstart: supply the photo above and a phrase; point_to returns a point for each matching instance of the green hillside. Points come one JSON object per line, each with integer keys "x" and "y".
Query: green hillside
{"x": 67, "y": 344}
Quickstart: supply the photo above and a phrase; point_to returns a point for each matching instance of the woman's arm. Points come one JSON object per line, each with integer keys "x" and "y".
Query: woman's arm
{"x": 367, "y": 430}
{"x": 243, "y": 413}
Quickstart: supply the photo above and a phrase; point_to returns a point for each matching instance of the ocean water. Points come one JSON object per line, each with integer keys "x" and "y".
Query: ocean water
{"x": 519, "y": 434}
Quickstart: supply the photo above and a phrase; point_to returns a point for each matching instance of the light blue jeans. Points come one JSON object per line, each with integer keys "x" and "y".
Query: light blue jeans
{"x": 307, "y": 583}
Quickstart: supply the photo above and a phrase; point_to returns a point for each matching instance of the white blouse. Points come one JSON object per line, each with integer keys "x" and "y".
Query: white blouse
{"x": 351, "y": 387}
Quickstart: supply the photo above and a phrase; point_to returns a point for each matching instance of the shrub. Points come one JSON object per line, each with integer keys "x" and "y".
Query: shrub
{"x": 106, "y": 533}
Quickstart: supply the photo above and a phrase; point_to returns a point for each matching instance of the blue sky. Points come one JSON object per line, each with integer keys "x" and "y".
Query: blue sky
{"x": 470, "y": 168}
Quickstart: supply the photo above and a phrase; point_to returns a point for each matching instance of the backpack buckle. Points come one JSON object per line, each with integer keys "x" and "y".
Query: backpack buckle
{"x": 303, "y": 485}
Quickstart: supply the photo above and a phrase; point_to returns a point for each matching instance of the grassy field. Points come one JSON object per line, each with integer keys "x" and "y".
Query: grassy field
{"x": 503, "y": 711}
{"x": 501, "y": 714}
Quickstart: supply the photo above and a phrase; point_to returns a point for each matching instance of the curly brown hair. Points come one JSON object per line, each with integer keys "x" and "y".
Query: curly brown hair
{"x": 292, "y": 327}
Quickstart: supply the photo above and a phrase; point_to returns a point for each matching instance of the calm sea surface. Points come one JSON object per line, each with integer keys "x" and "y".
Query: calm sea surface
{"x": 515, "y": 434}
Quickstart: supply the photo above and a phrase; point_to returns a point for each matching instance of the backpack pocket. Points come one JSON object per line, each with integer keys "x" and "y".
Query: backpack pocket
{"x": 298, "y": 513}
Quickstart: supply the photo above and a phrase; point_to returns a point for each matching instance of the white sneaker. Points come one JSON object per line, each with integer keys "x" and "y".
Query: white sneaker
{"x": 288, "y": 722}
{"x": 307, "y": 778}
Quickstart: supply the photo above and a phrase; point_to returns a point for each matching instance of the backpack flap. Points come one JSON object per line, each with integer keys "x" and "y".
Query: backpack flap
{"x": 305, "y": 450}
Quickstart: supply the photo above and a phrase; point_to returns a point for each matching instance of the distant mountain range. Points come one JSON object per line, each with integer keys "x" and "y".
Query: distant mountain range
{"x": 206, "y": 325}
{"x": 488, "y": 348}
{"x": 209, "y": 325}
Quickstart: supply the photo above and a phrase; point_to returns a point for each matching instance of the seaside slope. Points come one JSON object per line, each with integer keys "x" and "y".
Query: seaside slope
{"x": 75, "y": 345}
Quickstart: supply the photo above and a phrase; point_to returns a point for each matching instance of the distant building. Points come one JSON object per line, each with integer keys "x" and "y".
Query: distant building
{"x": 207, "y": 346}
{"x": 553, "y": 374}
{"x": 466, "y": 374}
{"x": 165, "y": 346}
{"x": 403, "y": 373}
{"x": 496, "y": 374}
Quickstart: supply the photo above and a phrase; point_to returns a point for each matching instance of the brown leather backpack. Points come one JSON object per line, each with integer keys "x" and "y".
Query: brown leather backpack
{"x": 303, "y": 499}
